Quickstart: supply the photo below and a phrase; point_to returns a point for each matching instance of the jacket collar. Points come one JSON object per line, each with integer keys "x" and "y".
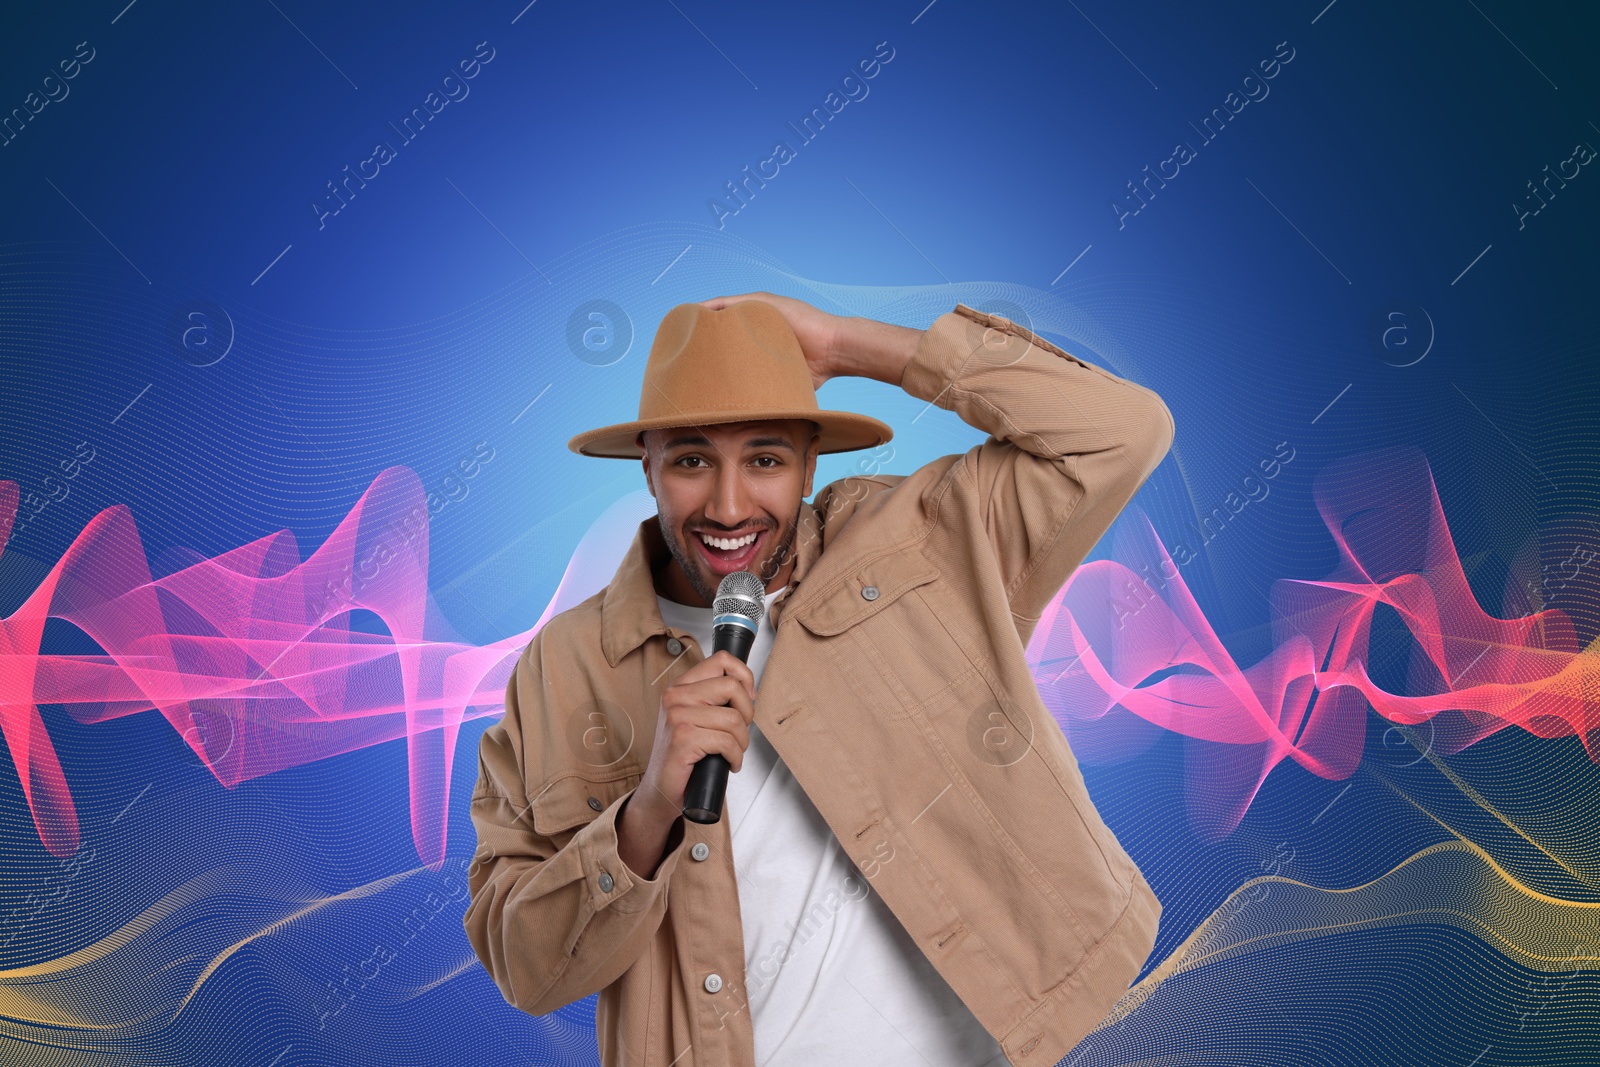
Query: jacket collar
{"x": 628, "y": 610}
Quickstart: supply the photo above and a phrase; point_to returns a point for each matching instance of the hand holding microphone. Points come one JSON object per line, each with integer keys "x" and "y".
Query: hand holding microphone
{"x": 702, "y": 729}
{"x": 735, "y": 616}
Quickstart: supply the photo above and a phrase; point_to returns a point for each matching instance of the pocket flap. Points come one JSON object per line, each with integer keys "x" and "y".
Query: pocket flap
{"x": 564, "y": 803}
{"x": 844, "y": 604}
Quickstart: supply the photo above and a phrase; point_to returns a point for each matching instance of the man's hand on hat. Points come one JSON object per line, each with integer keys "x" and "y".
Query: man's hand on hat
{"x": 817, "y": 330}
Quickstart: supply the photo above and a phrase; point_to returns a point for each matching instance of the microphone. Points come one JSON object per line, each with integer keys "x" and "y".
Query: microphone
{"x": 735, "y": 616}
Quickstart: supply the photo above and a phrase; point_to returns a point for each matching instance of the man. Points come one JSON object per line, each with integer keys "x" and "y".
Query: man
{"x": 908, "y": 869}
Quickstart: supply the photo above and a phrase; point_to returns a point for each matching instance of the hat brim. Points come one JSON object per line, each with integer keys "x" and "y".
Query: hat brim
{"x": 842, "y": 431}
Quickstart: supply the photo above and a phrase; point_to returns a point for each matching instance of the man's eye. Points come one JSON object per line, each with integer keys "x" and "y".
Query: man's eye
{"x": 774, "y": 460}
{"x": 686, "y": 459}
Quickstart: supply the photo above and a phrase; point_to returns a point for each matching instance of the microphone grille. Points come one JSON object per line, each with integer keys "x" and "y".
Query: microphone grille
{"x": 740, "y": 593}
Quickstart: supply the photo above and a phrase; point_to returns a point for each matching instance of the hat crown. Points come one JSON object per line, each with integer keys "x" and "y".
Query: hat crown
{"x": 743, "y": 357}
{"x": 739, "y": 363}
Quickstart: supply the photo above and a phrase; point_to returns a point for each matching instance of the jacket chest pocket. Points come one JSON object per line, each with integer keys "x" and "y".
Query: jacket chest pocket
{"x": 571, "y": 801}
{"x": 886, "y": 612}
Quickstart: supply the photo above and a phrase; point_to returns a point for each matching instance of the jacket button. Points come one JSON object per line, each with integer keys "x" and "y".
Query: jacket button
{"x": 713, "y": 982}
{"x": 674, "y": 646}
{"x": 870, "y": 592}
{"x": 700, "y": 851}
{"x": 594, "y": 802}
{"x": 605, "y": 882}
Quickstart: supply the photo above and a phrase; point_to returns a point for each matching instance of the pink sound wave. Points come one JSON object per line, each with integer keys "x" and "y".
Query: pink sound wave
{"x": 252, "y": 658}
{"x": 1141, "y": 658}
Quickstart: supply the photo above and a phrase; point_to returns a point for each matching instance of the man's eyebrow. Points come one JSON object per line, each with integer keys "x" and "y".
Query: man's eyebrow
{"x": 754, "y": 442}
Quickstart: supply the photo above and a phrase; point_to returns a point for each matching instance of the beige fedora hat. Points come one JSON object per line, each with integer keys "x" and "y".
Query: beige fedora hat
{"x": 740, "y": 363}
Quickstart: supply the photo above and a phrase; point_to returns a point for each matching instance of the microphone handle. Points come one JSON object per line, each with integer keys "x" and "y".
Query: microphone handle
{"x": 708, "y": 782}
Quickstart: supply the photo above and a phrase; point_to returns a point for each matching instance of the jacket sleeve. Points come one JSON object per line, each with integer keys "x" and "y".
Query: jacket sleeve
{"x": 551, "y": 924}
{"x": 1069, "y": 444}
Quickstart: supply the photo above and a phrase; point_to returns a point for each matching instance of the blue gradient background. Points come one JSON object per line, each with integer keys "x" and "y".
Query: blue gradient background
{"x": 431, "y": 311}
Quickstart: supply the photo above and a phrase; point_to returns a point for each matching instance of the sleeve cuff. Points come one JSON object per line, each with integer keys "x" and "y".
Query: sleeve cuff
{"x": 608, "y": 880}
{"x": 939, "y": 358}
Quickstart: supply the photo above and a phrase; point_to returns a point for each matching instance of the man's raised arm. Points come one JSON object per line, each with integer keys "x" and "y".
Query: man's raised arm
{"x": 1069, "y": 443}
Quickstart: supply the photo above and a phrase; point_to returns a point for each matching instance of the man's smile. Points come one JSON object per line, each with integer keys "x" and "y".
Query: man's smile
{"x": 727, "y": 553}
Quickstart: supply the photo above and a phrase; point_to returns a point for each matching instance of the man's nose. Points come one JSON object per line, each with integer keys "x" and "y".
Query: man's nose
{"x": 730, "y": 503}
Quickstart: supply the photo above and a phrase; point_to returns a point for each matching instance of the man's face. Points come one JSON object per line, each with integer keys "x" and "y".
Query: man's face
{"x": 729, "y": 481}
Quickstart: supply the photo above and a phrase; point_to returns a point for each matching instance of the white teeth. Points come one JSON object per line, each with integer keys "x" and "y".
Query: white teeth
{"x": 728, "y": 545}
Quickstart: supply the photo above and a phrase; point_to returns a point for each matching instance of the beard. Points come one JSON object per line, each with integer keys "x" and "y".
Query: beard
{"x": 765, "y": 569}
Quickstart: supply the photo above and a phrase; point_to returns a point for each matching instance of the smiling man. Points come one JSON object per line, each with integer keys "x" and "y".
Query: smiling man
{"x": 909, "y": 869}
{"x": 733, "y": 494}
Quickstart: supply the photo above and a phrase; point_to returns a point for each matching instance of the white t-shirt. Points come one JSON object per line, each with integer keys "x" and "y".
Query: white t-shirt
{"x": 832, "y": 976}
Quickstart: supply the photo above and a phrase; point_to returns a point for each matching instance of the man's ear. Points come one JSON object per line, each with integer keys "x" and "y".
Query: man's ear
{"x": 645, "y": 459}
{"x": 812, "y": 448}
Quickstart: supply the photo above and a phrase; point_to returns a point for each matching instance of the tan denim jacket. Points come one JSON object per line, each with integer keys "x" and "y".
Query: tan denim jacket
{"x": 896, "y": 691}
